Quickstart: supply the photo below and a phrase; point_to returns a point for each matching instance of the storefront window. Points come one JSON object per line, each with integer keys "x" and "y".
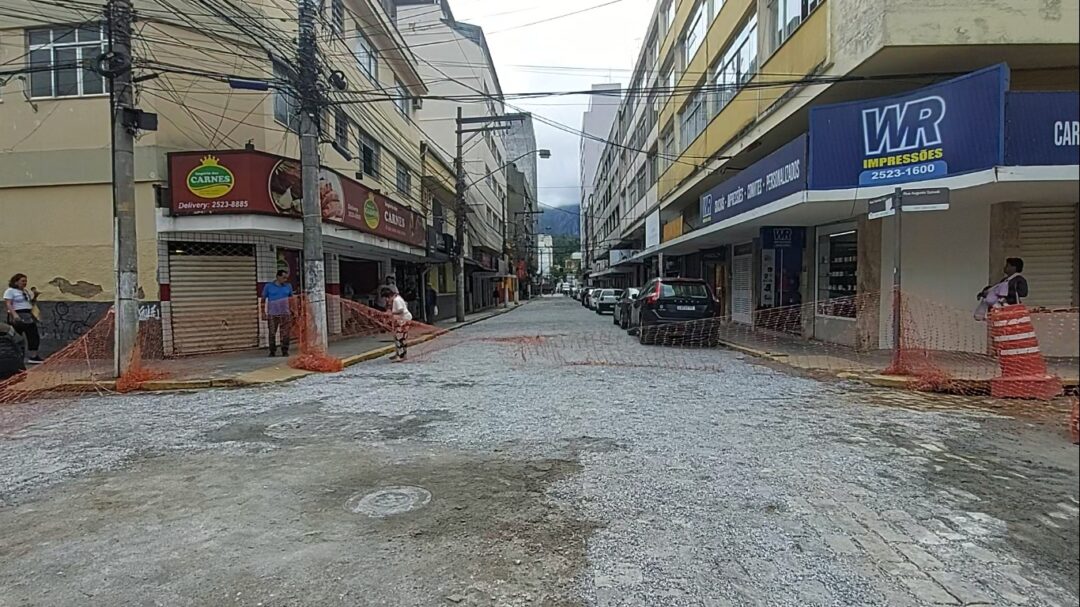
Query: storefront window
{"x": 837, "y": 253}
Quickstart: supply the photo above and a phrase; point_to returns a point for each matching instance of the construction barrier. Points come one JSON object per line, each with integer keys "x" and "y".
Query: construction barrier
{"x": 1016, "y": 345}
{"x": 938, "y": 347}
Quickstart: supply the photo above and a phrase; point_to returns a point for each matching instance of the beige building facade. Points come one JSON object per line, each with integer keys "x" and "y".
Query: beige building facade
{"x": 201, "y": 265}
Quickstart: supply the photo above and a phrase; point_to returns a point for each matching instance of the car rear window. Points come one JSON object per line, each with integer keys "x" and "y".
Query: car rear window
{"x": 618, "y": 292}
{"x": 607, "y": 293}
{"x": 683, "y": 289}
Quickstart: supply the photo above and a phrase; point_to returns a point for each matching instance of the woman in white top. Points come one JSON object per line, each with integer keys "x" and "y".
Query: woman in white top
{"x": 395, "y": 304}
{"x": 19, "y": 304}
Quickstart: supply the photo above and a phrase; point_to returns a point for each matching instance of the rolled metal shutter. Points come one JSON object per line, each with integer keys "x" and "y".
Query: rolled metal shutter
{"x": 1048, "y": 248}
{"x": 742, "y": 289}
{"x": 214, "y": 304}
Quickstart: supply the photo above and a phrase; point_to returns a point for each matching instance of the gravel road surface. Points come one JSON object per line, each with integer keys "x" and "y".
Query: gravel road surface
{"x": 482, "y": 474}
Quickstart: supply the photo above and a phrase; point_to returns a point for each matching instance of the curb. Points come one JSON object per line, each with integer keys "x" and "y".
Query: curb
{"x": 238, "y": 381}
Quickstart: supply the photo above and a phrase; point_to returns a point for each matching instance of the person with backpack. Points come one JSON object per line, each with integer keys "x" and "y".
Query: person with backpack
{"x": 19, "y": 304}
{"x": 12, "y": 352}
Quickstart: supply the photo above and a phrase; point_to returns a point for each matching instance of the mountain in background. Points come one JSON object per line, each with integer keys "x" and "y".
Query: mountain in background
{"x": 560, "y": 221}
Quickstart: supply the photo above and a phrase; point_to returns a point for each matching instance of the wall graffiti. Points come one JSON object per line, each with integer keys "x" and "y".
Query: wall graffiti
{"x": 62, "y": 322}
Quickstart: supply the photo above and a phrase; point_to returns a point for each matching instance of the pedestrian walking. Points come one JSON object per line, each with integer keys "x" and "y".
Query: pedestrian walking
{"x": 12, "y": 352}
{"x": 431, "y": 298}
{"x": 1009, "y": 291}
{"x": 19, "y": 303}
{"x": 400, "y": 311}
{"x": 277, "y": 312}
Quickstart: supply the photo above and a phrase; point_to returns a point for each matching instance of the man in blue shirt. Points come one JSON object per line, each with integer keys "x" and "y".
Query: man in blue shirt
{"x": 276, "y": 307}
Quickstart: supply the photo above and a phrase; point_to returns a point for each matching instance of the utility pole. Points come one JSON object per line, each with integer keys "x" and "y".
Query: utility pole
{"x": 898, "y": 202}
{"x": 310, "y": 97}
{"x": 459, "y": 229}
{"x": 125, "y": 249}
{"x": 462, "y": 205}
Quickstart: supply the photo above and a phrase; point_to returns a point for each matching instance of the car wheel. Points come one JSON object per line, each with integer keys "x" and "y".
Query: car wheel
{"x": 646, "y": 336}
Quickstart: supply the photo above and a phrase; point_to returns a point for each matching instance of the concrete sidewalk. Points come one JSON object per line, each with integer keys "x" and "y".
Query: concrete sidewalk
{"x": 255, "y": 367}
{"x": 972, "y": 371}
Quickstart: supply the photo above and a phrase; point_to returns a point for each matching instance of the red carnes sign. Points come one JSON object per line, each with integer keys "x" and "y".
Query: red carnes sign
{"x": 249, "y": 182}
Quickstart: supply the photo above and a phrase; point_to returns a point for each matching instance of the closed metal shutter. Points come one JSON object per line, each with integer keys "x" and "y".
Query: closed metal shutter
{"x": 1048, "y": 248}
{"x": 742, "y": 289}
{"x": 215, "y": 307}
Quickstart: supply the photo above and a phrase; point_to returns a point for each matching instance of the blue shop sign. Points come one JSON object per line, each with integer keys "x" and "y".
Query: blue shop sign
{"x": 1042, "y": 129}
{"x": 775, "y": 176}
{"x": 946, "y": 129}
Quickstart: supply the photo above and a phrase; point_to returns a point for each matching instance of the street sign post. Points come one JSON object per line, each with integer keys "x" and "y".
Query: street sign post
{"x": 906, "y": 201}
{"x": 926, "y": 199}
{"x": 882, "y": 206}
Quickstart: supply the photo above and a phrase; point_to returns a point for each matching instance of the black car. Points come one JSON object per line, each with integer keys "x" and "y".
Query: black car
{"x": 665, "y": 306}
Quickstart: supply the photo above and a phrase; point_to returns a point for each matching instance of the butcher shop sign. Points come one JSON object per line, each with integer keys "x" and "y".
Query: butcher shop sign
{"x": 249, "y": 182}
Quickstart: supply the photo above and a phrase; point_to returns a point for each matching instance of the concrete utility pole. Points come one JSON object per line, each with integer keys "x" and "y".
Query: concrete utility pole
{"x": 462, "y": 205}
{"x": 459, "y": 228}
{"x": 314, "y": 264}
{"x": 125, "y": 244}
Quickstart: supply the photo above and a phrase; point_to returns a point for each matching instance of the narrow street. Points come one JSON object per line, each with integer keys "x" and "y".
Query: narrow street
{"x": 472, "y": 476}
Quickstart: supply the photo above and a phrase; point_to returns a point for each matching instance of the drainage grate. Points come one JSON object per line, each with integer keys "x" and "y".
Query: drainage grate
{"x": 389, "y": 501}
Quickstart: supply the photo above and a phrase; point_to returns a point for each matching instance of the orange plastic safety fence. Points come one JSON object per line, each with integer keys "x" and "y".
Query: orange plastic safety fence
{"x": 87, "y": 365}
{"x": 1014, "y": 353}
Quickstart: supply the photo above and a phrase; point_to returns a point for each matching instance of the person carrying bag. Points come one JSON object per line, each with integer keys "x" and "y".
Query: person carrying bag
{"x": 20, "y": 305}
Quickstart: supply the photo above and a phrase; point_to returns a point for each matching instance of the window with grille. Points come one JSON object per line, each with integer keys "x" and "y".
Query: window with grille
{"x": 60, "y": 58}
{"x": 693, "y": 118}
{"x": 401, "y": 98}
{"x": 286, "y": 105}
{"x": 369, "y": 155}
{"x": 737, "y": 65}
{"x": 341, "y": 129}
{"x": 337, "y": 16}
{"x": 667, "y": 148}
{"x": 365, "y": 54}
{"x": 404, "y": 177}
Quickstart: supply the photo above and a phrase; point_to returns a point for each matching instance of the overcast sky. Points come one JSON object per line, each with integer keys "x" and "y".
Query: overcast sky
{"x": 571, "y": 53}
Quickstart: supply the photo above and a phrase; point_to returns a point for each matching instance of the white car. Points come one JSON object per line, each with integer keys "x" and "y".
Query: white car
{"x": 606, "y": 300}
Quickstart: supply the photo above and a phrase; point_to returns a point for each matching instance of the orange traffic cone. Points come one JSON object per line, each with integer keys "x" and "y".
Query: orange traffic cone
{"x": 1023, "y": 369}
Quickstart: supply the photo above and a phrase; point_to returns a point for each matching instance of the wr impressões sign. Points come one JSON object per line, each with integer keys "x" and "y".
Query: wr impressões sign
{"x": 946, "y": 129}
{"x": 247, "y": 182}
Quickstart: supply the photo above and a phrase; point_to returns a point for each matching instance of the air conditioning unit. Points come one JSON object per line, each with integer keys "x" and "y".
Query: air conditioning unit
{"x": 417, "y": 103}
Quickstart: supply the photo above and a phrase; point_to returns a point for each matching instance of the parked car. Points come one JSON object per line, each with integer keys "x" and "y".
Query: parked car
{"x": 665, "y": 305}
{"x": 606, "y": 300}
{"x": 590, "y": 297}
{"x": 620, "y": 314}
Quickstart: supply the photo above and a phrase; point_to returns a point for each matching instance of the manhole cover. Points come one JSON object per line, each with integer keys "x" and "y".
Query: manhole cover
{"x": 389, "y": 501}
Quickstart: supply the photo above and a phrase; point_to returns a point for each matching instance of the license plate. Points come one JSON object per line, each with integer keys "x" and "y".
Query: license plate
{"x": 685, "y": 308}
